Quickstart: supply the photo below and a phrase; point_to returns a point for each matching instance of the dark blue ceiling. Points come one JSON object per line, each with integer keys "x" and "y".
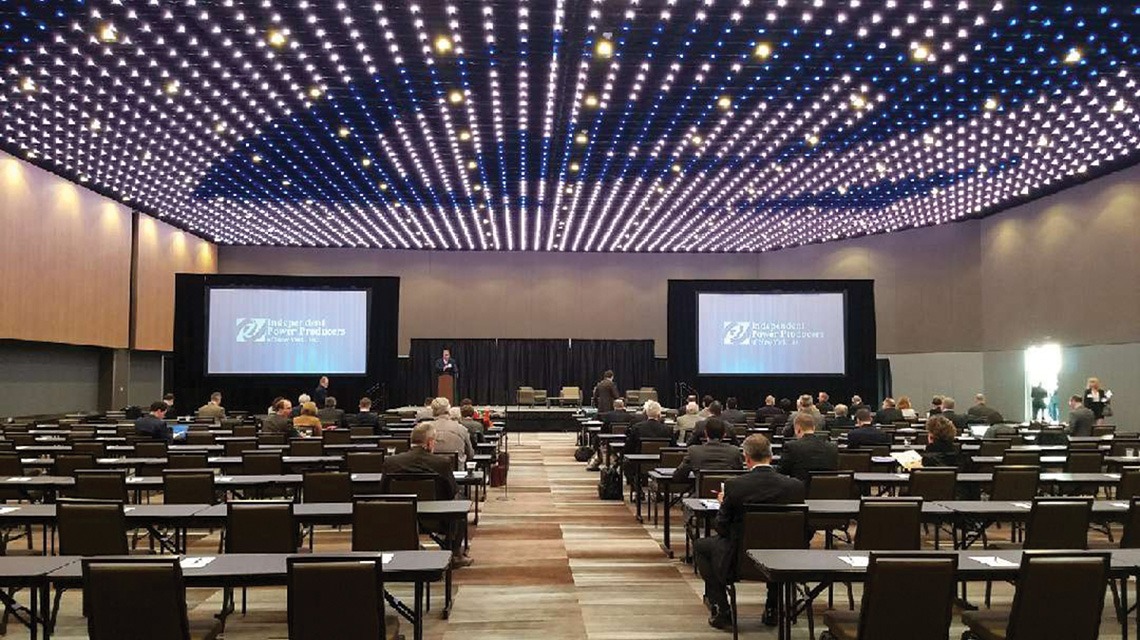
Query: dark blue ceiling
{"x": 652, "y": 125}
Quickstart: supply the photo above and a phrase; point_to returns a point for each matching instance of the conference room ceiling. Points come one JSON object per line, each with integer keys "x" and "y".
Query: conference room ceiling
{"x": 569, "y": 125}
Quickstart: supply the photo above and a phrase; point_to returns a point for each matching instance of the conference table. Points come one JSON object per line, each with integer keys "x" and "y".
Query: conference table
{"x": 785, "y": 568}
{"x": 38, "y": 574}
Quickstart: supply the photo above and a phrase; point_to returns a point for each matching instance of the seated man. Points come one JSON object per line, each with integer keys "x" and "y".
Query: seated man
{"x": 618, "y": 416}
{"x": 687, "y": 421}
{"x": 866, "y": 434}
{"x": 420, "y": 458}
{"x": 715, "y": 557}
{"x": 808, "y": 452}
{"x": 366, "y": 418}
{"x": 281, "y": 421}
{"x": 651, "y": 427}
{"x": 842, "y": 417}
{"x": 889, "y": 414}
{"x": 467, "y": 419}
{"x": 714, "y": 454}
{"x": 330, "y": 414}
{"x": 451, "y": 437}
{"x": 153, "y": 425}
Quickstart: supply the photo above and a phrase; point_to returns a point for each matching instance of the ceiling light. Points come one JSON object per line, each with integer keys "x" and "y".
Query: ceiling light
{"x": 724, "y": 102}
{"x": 1073, "y": 56}
{"x": 465, "y": 135}
{"x": 276, "y": 38}
{"x": 455, "y": 96}
{"x": 763, "y": 51}
{"x": 108, "y": 33}
{"x": 581, "y": 138}
{"x": 921, "y": 53}
{"x": 591, "y": 100}
{"x": 343, "y": 132}
{"x": 443, "y": 45}
{"x": 314, "y": 92}
{"x": 604, "y": 49}
{"x": 991, "y": 104}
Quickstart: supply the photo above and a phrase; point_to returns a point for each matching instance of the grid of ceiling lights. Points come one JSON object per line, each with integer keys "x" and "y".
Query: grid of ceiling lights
{"x": 569, "y": 125}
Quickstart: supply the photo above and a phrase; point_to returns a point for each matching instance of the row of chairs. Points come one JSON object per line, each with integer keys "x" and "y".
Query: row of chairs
{"x": 353, "y": 588}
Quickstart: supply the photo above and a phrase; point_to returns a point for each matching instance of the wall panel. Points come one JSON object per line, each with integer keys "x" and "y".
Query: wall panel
{"x": 162, "y": 252}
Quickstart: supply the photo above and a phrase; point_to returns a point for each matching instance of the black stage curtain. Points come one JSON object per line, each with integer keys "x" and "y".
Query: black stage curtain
{"x": 491, "y": 370}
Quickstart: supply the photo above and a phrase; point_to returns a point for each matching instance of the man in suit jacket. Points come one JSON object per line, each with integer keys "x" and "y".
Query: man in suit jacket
{"x": 865, "y": 434}
{"x": 770, "y": 410}
{"x": 889, "y": 414}
{"x": 365, "y": 417}
{"x": 714, "y": 454}
{"x": 606, "y": 393}
{"x": 281, "y": 420}
{"x": 330, "y": 414}
{"x": 808, "y": 452}
{"x": 984, "y": 411}
{"x": 616, "y": 415}
{"x": 961, "y": 420}
{"x": 153, "y": 425}
{"x": 716, "y": 557}
{"x": 420, "y": 459}
{"x": 1081, "y": 418}
{"x": 824, "y": 403}
{"x": 687, "y": 421}
{"x": 321, "y": 392}
{"x": 651, "y": 427}
{"x": 450, "y": 436}
{"x": 213, "y": 408}
{"x": 732, "y": 413}
{"x": 446, "y": 364}
{"x": 698, "y": 434}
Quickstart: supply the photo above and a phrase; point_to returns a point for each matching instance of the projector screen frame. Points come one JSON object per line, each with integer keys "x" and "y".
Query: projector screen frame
{"x": 209, "y": 289}
{"x": 697, "y": 344}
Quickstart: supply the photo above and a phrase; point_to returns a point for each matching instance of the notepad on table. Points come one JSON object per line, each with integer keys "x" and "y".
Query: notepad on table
{"x": 196, "y": 562}
{"x": 856, "y": 561}
{"x": 908, "y": 459}
{"x": 993, "y": 561}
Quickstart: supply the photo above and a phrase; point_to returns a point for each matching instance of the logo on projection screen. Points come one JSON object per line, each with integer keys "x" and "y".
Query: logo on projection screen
{"x": 737, "y": 333}
{"x": 251, "y": 329}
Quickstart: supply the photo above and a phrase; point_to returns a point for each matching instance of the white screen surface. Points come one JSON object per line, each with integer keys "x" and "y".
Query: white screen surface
{"x": 770, "y": 333}
{"x": 287, "y": 331}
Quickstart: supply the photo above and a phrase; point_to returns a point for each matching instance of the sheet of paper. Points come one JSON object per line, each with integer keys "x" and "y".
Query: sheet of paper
{"x": 993, "y": 561}
{"x": 224, "y": 478}
{"x": 136, "y": 479}
{"x": 385, "y": 558}
{"x": 856, "y": 561}
{"x": 709, "y": 503}
{"x": 196, "y": 562}
{"x": 4, "y": 510}
{"x": 908, "y": 459}
{"x": 128, "y": 509}
{"x": 356, "y": 476}
{"x": 19, "y": 479}
{"x": 1023, "y": 505}
{"x": 1123, "y": 505}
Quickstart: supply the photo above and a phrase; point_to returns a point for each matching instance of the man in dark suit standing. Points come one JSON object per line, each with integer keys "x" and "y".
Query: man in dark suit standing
{"x": 606, "y": 393}
{"x": 445, "y": 364}
{"x": 808, "y": 452}
{"x": 865, "y": 434}
{"x": 321, "y": 392}
{"x": 420, "y": 459}
{"x": 714, "y": 454}
{"x": 716, "y": 557}
{"x": 1081, "y": 418}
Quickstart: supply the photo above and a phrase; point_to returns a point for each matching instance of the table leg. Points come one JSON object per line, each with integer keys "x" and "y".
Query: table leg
{"x": 418, "y": 622}
{"x": 38, "y": 595}
{"x": 447, "y": 594}
{"x": 1124, "y": 608}
{"x": 476, "y": 504}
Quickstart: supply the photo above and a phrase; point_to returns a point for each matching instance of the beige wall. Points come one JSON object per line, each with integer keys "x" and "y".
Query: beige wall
{"x": 162, "y": 252}
{"x": 67, "y": 260}
{"x": 1065, "y": 268}
{"x": 533, "y": 295}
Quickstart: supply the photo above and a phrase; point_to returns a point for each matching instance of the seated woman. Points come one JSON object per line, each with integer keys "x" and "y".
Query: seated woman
{"x": 308, "y": 418}
{"x": 941, "y": 450}
{"x": 907, "y": 408}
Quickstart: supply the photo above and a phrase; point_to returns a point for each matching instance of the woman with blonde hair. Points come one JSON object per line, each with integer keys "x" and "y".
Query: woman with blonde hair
{"x": 308, "y": 418}
{"x": 1097, "y": 400}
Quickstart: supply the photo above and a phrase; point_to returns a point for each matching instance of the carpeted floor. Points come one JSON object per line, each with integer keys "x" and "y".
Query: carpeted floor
{"x": 552, "y": 562}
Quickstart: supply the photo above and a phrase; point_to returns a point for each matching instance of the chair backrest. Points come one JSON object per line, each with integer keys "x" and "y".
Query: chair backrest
{"x": 709, "y": 481}
{"x": 889, "y": 524}
{"x": 421, "y": 485}
{"x": 199, "y": 437}
{"x": 336, "y": 436}
{"x": 187, "y": 461}
{"x": 620, "y": 428}
{"x": 98, "y": 484}
{"x": 245, "y": 431}
{"x": 385, "y": 523}
{"x": 1059, "y": 523}
{"x": 524, "y": 395}
{"x": 1047, "y": 579}
{"x": 326, "y": 486}
{"x": 1015, "y": 482}
{"x": 1085, "y": 462}
{"x": 114, "y": 589}
{"x": 94, "y": 447}
{"x": 365, "y": 461}
{"x": 306, "y": 447}
{"x": 770, "y": 526}
{"x": 262, "y": 463}
{"x": 238, "y": 447}
{"x": 925, "y": 582}
{"x": 1103, "y": 430}
{"x": 653, "y": 445}
{"x": 831, "y": 485}
{"x": 1131, "y": 537}
{"x": 933, "y": 483}
{"x": 672, "y": 457}
{"x": 1024, "y": 458}
{"x": 261, "y": 526}
{"x": 271, "y": 438}
{"x": 452, "y": 458}
{"x": 1121, "y": 445}
{"x": 395, "y": 445}
{"x": 188, "y": 486}
{"x": 66, "y": 464}
{"x": 150, "y": 449}
{"x": 10, "y": 465}
{"x": 994, "y": 447}
{"x": 858, "y": 461}
{"x": 358, "y": 431}
{"x": 91, "y": 527}
{"x": 339, "y": 598}
{"x": 571, "y": 393}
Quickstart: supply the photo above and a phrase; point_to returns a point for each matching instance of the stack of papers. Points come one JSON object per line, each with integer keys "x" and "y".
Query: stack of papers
{"x": 856, "y": 561}
{"x": 196, "y": 562}
{"x": 993, "y": 561}
{"x": 908, "y": 459}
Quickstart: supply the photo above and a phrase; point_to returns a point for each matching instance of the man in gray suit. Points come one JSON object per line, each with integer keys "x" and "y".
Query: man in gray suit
{"x": 1081, "y": 418}
{"x": 713, "y": 454}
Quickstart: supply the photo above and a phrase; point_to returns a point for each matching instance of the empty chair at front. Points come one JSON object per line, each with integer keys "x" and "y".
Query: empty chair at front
{"x": 924, "y": 582}
{"x": 338, "y": 598}
{"x": 114, "y": 589}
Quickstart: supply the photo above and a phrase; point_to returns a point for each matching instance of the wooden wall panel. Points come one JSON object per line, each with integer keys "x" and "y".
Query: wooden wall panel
{"x": 67, "y": 260}
{"x": 162, "y": 252}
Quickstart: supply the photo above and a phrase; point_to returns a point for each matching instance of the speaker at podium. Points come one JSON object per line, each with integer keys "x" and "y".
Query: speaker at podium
{"x": 446, "y": 374}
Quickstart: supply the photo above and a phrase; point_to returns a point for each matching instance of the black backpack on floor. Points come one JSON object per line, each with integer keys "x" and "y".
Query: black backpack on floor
{"x": 583, "y": 454}
{"x": 609, "y": 484}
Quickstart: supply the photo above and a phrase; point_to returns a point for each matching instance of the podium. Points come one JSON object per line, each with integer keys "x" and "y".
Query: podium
{"x": 445, "y": 387}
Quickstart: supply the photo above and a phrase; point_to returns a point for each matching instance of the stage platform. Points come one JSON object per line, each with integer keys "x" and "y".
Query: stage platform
{"x": 524, "y": 419}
